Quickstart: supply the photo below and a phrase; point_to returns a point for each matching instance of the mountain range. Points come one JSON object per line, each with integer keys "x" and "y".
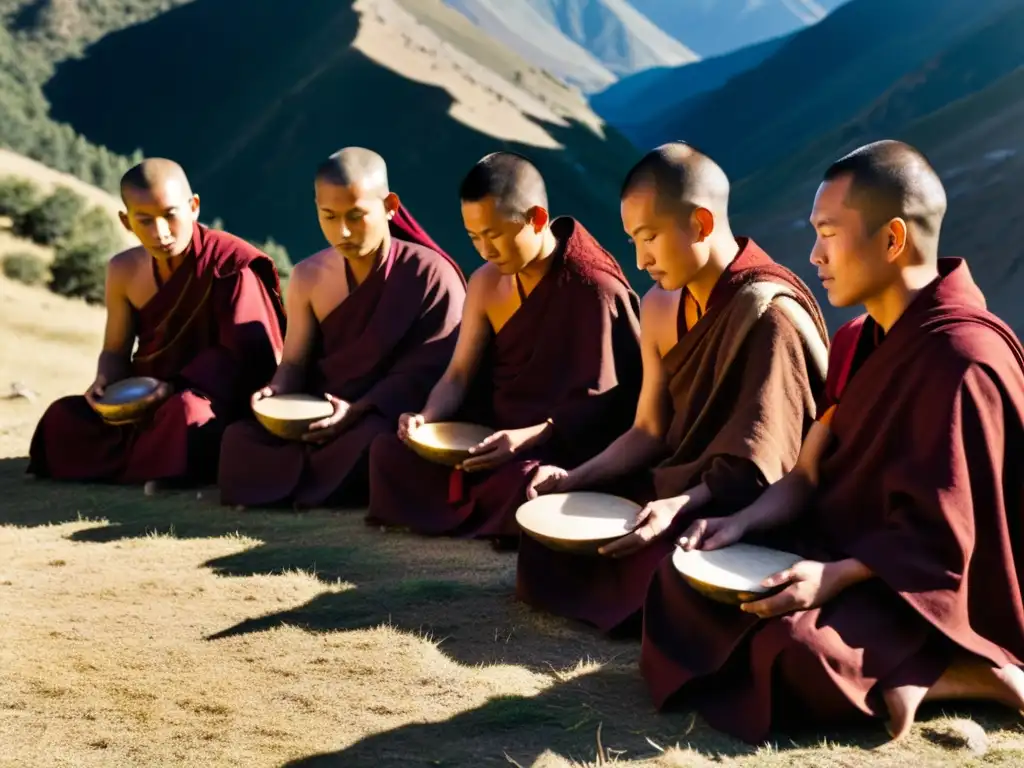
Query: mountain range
{"x": 83, "y": 83}
{"x": 593, "y": 43}
{"x": 410, "y": 78}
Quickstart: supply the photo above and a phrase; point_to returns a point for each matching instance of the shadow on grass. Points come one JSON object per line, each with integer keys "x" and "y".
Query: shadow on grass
{"x": 458, "y": 594}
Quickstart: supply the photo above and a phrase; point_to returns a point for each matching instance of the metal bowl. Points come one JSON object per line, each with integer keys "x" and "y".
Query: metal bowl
{"x": 447, "y": 442}
{"x": 289, "y": 416}
{"x": 127, "y": 401}
{"x": 732, "y": 574}
{"x": 579, "y": 522}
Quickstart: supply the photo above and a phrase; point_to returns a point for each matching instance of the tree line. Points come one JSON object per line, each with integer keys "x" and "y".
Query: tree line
{"x": 83, "y": 239}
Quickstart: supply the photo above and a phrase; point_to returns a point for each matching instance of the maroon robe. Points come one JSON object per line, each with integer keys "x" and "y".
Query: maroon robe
{"x": 569, "y": 353}
{"x": 921, "y": 484}
{"x": 214, "y": 331}
{"x": 736, "y": 426}
{"x": 381, "y": 350}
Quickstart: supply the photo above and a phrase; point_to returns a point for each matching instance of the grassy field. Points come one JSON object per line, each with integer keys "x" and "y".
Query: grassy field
{"x": 169, "y": 631}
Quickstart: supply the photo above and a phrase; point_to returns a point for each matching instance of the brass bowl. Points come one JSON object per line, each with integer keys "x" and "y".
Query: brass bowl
{"x": 579, "y": 522}
{"x": 447, "y": 442}
{"x": 127, "y": 401}
{"x": 732, "y": 575}
{"x": 289, "y": 416}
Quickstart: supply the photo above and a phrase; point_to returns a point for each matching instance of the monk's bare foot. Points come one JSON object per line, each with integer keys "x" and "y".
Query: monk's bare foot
{"x": 968, "y": 677}
{"x": 151, "y": 488}
{"x": 240, "y": 508}
{"x": 902, "y": 703}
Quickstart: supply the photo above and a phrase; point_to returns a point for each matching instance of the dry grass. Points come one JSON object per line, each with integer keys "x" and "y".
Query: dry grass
{"x": 170, "y": 631}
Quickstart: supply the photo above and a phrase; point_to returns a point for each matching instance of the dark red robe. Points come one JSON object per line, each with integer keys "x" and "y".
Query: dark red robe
{"x": 214, "y": 331}
{"x": 743, "y": 385}
{"x": 569, "y": 353}
{"x": 922, "y": 484}
{"x": 381, "y": 350}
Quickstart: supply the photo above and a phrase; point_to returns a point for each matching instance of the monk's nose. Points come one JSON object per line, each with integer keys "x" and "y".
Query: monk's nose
{"x": 163, "y": 229}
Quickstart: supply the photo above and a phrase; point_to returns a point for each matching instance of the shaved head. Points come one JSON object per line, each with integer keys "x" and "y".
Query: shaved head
{"x": 153, "y": 174}
{"x": 683, "y": 179}
{"x": 160, "y": 207}
{"x": 354, "y": 202}
{"x": 890, "y": 180}
{"x": 511, "y": 180}
{"x": 355, "y": 166}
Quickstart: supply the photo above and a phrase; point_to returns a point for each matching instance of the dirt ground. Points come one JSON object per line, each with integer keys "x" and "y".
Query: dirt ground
{"x": 171, "y": 631}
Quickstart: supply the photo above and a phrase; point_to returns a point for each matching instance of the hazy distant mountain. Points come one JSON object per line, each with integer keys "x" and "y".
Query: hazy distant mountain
{"x": 615, "y": 32}
{"x": 714, "y": 27}
{"x": 588, "y": 43}
{"x": 640, "y": 104}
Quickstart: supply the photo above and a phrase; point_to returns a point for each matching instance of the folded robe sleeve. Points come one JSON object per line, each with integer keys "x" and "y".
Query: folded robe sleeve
{"x": 434, "y": 321}
{"x": 774, "y": 379}
{"x": 606, "y": 366}
{"x": 952, "y": 520}
{"x": 248, "y": 337}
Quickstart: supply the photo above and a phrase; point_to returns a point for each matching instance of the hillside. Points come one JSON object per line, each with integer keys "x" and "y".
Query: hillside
{"x": 46, "y": 180}
{"x": 716, "y": 27}
{"x": 389, "y": 75}
{"x": 636, "y": 103}
{"x": 521, "y": 28}
{"x": 823, "y": 78}
{"x": 587, "y": 43}
{"x": 964, "y": 109}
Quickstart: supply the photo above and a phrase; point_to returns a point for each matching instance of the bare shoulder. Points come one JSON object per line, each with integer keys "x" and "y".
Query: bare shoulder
{"x": 484, "y": 281}
{"x": 126, "y": 264}
{"x": 310, "y": 268}
{"x": 659, "y": 306}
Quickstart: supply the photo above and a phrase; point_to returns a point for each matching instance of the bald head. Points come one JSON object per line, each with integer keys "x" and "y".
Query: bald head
{"x": 151, "y": 175}
{"x": 511, "y": 180}
{"x": 356, "y": 166}
{"x": 889, "y": 180}
{"x": 682, "y": 178}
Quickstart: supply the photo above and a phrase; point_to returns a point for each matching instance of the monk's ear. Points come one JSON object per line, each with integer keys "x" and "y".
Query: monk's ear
{"x": 896, "y": 233}
{"x": 538, "y": 217}
{"x": 391, "y": 204}
{"x": 704, "y": 223}
{"x": 193, "y": 204}
{"x": 124, "y": 220}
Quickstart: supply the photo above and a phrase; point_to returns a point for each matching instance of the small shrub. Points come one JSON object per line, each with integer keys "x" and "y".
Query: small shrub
{"x": 26, "y": 268}
{"x": 17, "y": 197}
{"x": 97, "y": 227}
{"x": 53, "y": 219}
{"x": 79, "y": 270}
{"x": 279, "y": 254}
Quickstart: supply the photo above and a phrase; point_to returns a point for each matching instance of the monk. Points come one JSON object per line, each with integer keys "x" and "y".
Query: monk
{"x": 547, "y": 356}
{"x": 372, "y": 324}
{"x": 906, "y": 500}
{"x": 734, "y": 354}
{"x": 205, "y": 308}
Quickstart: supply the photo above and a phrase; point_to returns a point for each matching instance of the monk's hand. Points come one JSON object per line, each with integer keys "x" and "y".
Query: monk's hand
{"x": 96, "y": 390}
{"x": 495, "y": 450}
{"x": 162, "y": 392}
{"x": 409, "y": 423}
{"x": 262, "y": 394}
{"x": 652, "y": 521}
{"x": 325, "y": 429}
{"x": 713, "y": 533}
{"x": 810, "y": 584}
{"x": 548, "y": 479}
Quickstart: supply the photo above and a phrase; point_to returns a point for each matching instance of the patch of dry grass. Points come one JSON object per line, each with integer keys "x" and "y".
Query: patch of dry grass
{"x": 170, "y": 631}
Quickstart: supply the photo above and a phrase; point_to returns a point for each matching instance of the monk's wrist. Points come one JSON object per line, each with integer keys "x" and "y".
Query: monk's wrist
{"x": 113, "y": 366}
{"x": 849, "y": 572}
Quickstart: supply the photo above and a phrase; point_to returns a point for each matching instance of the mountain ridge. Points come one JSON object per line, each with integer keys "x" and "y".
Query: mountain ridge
{"x": 368, "y": 73}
